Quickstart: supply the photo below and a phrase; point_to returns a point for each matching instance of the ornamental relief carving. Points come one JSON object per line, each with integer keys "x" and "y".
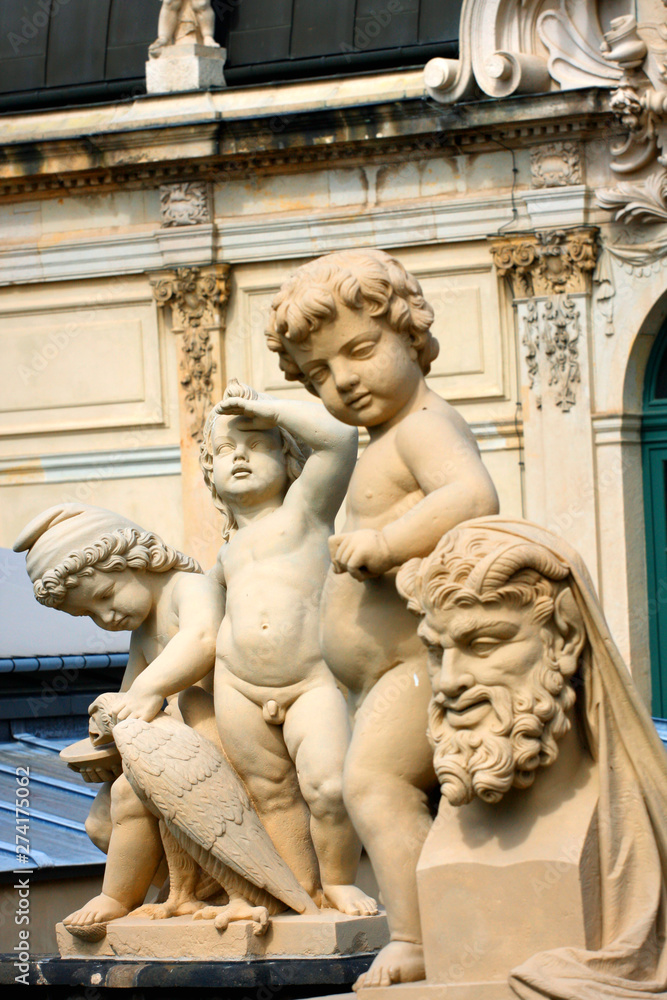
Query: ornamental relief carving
{"x": 639, "y": 51}
{"x": 556, "y": 164}
{"x": 550, "y": 339}
{"x": 197, "y": 299}
{"x": 546, "y": 271}
{"x": 522, "y": 47}
{"x": 184, "y": 204}
{"x": 547, "y": 263}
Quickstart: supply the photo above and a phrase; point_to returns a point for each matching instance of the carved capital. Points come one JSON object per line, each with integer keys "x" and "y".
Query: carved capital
{"x": 184, "y": 204}
{"x": 197, "y": 298}
{"x": 547, "y": 263}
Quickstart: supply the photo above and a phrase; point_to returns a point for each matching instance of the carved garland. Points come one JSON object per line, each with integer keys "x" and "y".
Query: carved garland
{"x": 544, "y": 271}
{"x": 197, "y": 300}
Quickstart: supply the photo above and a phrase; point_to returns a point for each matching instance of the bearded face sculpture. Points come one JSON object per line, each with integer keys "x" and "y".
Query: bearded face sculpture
{"x": 548, "y": 763}
{"x": 505, "y": 637}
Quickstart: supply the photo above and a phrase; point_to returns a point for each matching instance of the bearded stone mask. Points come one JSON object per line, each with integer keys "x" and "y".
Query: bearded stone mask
{"x": 505, "y": 637}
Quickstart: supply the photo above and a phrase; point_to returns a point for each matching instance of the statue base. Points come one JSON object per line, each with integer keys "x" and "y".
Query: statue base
{"x": 436, "y": 991}
{"x": 328, "y": 933}
{"x": 186, "y": 67}
{"x": 291, "y": 978}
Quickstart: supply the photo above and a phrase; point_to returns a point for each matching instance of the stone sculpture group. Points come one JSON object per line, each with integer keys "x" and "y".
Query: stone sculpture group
{"x": 310, "y": 713}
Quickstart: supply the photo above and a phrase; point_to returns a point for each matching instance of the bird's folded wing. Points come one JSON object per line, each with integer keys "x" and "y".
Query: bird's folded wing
{"x": 193, "y": 786}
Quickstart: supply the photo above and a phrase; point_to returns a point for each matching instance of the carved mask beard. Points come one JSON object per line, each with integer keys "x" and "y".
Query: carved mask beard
{"x": 505, "y": 749}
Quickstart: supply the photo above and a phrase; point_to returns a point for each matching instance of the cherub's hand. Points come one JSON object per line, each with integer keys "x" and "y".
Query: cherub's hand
{"x": 362, "y": 554}
{"x": 138, "y": 704}
{"x": 93, "y": 773}
{"x": 261, "y": 413}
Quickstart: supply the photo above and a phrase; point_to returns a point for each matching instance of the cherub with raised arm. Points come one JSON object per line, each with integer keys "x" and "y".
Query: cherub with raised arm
{"x": 171, "y": 13}
{"x": 354, "y": 327}
{"x": 89, "y": 561}
{"x": 282, "y": 719}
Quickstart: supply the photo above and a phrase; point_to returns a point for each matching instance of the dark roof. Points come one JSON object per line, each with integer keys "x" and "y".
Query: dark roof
{"x": 59, "y": 801}
{"x": 60, "y": 52}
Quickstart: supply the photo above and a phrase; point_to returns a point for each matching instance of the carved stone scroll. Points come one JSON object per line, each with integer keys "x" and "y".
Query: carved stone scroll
{"x": 640, "y": 106}
{"x": 523, "y": 47}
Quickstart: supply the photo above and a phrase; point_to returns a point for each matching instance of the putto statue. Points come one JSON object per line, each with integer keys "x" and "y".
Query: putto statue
{"x": 355, "y": 329}
{"x": 85, "y": 560}
{"x": 545, "y": 873}
{"x": 282, "y": 719}
{"x": 195, "y": 17}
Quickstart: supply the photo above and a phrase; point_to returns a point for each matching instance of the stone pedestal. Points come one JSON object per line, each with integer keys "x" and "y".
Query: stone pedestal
{"x": 328, "y": 933}
{"x": 186, "y": 67}
{"x": 433, "y": 991}
{"x": 501, "y": 883}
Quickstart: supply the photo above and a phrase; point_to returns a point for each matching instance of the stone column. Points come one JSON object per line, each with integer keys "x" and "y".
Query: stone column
{"x": 550, "y": 277}
{"x": 195, "y": 299}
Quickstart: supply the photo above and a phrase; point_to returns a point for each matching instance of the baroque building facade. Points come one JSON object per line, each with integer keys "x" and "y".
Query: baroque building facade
{"x": 519, "y": 175}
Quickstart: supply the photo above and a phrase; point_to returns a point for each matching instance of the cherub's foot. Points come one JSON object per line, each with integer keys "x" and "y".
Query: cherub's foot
{"x": 236, "y": 909}
{"x": 398, "y": 962}
{"x": 211, "y": 42}
{"x": 157, "y": 46}
{"x": 90, "y": 922}
{"x": 160, "y": 911}
{"x": 349, "y": 899}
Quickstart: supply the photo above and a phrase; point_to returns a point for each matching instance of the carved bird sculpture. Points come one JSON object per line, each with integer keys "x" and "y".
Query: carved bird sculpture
{"x": 207, "y": 822}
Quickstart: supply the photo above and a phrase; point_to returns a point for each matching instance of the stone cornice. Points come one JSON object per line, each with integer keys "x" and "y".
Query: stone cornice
{"x": 121, "y": 146}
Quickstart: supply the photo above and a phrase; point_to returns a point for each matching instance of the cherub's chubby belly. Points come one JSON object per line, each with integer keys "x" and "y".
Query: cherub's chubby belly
{"x": 271, "y": 643}
{"x": 365, "y": 629}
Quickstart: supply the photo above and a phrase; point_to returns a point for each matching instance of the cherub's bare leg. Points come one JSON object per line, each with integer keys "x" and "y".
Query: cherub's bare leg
{"x": 135, "y": 851}
{"x": 258, "y": 753}
{"x": 98, "y": 823}
{"x": 206, "y": 20}
{"x": 388, "y": 771}
{"x": 317, "y": 734}
{"x": 167, "y": 24}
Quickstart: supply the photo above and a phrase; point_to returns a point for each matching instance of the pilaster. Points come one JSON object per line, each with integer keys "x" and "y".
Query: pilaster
{"x": 549, "y": 274}
{"x": 194, "y": 300}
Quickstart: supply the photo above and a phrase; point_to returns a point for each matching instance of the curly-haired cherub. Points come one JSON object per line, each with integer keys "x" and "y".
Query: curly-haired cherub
{"x": 282, "y": 719}
{"x": 85, "y": 560}
{"x": 354, "y": 327}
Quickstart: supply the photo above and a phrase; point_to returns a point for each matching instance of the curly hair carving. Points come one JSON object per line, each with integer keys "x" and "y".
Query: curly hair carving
{"x": 127, "y": 548}
{"x": 354, "y": 278}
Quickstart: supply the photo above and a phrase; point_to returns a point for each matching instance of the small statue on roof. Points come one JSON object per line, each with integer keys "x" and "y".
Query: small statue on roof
{"x": 184, "y": 21}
